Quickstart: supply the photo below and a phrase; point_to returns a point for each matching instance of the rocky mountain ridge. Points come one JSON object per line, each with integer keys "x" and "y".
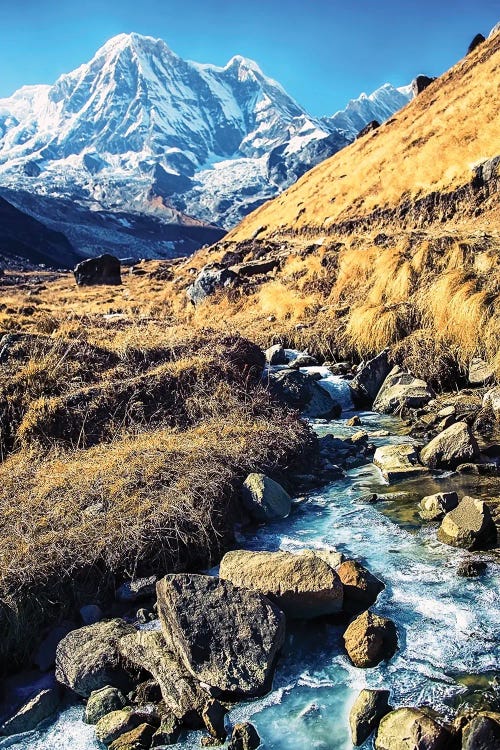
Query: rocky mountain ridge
{"x": 139, "y": 130}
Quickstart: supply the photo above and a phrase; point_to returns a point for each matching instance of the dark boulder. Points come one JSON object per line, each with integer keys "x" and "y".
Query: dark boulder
{"x": 105, "y": 269}
{"x": 244, "y": 737}
{"x": 227, "y": 637}
{"x": 478, "y": 39}
{"x": 369, "y": 708}
{"x": 482, "y": 733}
{"x": 368, "y": 382}
{"x": 210, "y": 280}
{"x": 373, "y": 125}
{"x": 420, "y": 83}
{"x": 301, "y": 391}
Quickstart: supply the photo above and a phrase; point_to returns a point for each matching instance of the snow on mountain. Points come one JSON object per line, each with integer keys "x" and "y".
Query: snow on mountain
{"x": 380, "y": 105}
{"x": 140, "y": 130}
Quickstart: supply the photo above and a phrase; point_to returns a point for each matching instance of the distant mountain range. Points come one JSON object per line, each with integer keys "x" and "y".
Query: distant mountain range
{"x": 139, "y": 135}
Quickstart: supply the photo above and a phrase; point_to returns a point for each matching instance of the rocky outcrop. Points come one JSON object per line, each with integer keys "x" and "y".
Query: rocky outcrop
{"x": 265, "y": 499}
{"x": 398, "y": 462}
{"x": 455, "y": 445}
{"x": 227, "y": 637}
{"x": 88, "y": 659}
{"x": 368, "y": 381}
{"x": 102, "y": 702}
{"x": 147, "y": 649}
{"x": 210, "y": 280}
{"x": 301, "y": 391}
{"x": 420, "y": 83}
{"x": 37, "y": 709}
{"x": 361, "y": 588}
{"x": 435, "y": 507}
{"x": 402, "y": 390}
{"x": 409, "y": 729}
{"x": 369, "y": 708}
{"x": 478, "y": 39}
{"x": 469, "y": 525}
{"x": 302, "y": 585}
{"x": 369, "y": 128}
{"x": 370, "y": 639}
{"x": 244, "y": 737}
{"x": 105, "y": 269}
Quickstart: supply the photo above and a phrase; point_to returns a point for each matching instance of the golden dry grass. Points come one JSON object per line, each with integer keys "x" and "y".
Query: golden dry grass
{"x": 430, "y": 145}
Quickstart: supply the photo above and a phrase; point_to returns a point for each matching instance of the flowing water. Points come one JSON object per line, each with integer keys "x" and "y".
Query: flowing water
{"x": 448, "y": 626}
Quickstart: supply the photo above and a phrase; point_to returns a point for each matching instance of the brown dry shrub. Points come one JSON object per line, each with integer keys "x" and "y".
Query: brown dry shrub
{"x": 428, "y": 358}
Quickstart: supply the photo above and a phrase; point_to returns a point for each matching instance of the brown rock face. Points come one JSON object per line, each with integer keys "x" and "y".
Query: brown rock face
{"x": 227, "y": 637}
{"x": 410, "y": 729}
{"x": 455, "y": 445}
{"x": 361, "y": 588}
{"x": 303, "y": 585}
{"x": 370, "y": 639}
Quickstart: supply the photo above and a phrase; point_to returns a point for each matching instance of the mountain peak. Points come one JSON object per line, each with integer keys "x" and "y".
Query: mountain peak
{"x": 131, "y": 40}
{"x": 239, "y": 62}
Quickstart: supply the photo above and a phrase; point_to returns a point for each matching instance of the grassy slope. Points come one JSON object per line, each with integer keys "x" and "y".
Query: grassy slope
{"x": 431, "y": 144}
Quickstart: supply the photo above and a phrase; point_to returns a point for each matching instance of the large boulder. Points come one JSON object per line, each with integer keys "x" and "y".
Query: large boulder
{"x": 435, "y": 507}
{"x": 88, "y": 659}
{"x": 265, "y": 499}
{"x": 361, "y": 588}
{"x": 402, "y": 390}
{"x": 37, "y": 709}
{"x": 301, "y": 391}
{"x": 113, "y": 725}
{"x": 420, "y": 83}
{"x": 182, "y": 694}
{"x": 469, "y": 525}
{"x": 105, "y": 269}
{"x": 139, "y": 738}
{"x": 210, "y": 280}
{"x": 368, "y": 709}
{"x": 482, "y": 732}
{"x": 398, "y": 462}
{"x": 455, "y": 445}
{"x": 368, "y": 381}
{"x": 302, "y": 585}
{"x": 227, "y": 637}
{"x": 370, "y": 639}
{"x": 411, "y": 729}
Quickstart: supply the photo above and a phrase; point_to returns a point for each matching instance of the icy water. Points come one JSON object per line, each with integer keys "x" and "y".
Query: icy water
{"x": 447, "y": 625}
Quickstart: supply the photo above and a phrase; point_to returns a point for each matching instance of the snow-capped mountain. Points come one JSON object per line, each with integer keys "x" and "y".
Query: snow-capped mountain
{"x": 140, "y": 130}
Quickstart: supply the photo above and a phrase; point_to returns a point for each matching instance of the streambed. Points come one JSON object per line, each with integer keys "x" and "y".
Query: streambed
{"x": 448, "y": 626}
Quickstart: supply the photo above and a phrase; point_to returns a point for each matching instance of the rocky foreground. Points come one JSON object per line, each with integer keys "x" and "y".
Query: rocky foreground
{"x": 188, "y": 646}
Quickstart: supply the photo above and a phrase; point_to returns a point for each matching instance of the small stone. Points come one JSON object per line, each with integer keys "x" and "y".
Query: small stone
{"x": 471, "y": 568}
{"x": 361, "y": 588}
{"x": 137, "y": 590}
{"x": 353, "y": 421}
{"x": 469, "y": 525}
{"x": 398, "y": 462}
{"x": 113, "y": 725}
{"x": 434, "y": 507}
{"x": 102, "y": 702}
{"x": 138, "y": 738}
{"x": 276, "y": 355}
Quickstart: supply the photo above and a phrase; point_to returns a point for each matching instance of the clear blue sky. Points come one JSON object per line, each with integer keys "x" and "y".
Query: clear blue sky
{"x": 324, "y": 52}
